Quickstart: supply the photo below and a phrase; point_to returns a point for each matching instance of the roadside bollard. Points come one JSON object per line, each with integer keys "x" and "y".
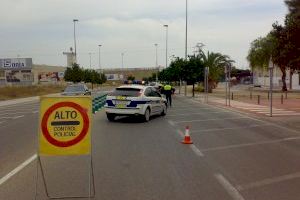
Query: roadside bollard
{"x": 251, "y": 94}
{"x": 232, "y": 96}
{"x": 258, "y": 99}
{"x": 285, "y": 95}
{"x": 268, "y": 95}
{"x": 282, "y": 99}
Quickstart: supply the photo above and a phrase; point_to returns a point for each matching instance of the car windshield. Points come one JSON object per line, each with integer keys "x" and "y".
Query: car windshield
{"x": 74, "y": 88}
{"x": 129, "y": 92}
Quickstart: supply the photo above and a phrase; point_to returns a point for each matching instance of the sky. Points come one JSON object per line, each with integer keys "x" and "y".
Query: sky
{"x": 43, "y": 29}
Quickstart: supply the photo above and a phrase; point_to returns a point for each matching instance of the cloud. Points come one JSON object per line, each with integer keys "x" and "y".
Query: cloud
{"x": 44, "y": 29}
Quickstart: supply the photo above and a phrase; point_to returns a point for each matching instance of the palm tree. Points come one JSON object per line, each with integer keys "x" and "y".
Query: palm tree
{"x": 216, "y": 63}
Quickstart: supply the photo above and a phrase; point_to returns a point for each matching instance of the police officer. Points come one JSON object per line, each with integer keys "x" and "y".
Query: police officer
{"x": 168, "y": 93}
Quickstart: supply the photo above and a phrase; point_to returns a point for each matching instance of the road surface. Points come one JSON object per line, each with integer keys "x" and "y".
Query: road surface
{"x": 234, "y": 157}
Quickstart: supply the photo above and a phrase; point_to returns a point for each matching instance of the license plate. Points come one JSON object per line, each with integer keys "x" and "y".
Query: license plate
{"x": 120, "y": 103}
{"x": 120, "y": 106}
{"x": 121, "y": 98}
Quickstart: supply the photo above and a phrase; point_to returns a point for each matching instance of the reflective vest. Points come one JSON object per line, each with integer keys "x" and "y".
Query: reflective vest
{"x": 167, "y": 87}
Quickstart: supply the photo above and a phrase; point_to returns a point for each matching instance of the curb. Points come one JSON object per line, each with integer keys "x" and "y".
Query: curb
{"x": 17, "y": 101}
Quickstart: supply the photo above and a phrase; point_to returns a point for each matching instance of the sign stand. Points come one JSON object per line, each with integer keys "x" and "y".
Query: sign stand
{"x": 92, "y": 191}
{"x": 64, "y": 129}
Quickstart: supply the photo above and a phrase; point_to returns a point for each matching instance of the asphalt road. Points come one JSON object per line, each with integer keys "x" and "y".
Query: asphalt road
{"x": 233, "y": 157}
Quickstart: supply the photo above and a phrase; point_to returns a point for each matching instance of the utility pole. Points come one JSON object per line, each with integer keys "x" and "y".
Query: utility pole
{"x": 74, "y": 21}
{"x": 186, "y": 26}
{"x": 166, "y": 26}
{"x": 156, "y": 63}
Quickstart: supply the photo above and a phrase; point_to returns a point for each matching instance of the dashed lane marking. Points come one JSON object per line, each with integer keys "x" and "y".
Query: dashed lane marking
{"x": 196, "y": 150}
{"x": 232, "y": 191}
{"x": 192, "y": 146}
{"x": 171, "y": 122}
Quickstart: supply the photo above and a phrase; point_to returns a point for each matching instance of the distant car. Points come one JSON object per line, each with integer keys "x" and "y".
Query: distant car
{"x": 76, "y": 90}
{"x": 135, "y": 100}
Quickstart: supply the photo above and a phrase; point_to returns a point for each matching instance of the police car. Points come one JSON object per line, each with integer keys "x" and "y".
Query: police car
{"x": 144, "y": 101}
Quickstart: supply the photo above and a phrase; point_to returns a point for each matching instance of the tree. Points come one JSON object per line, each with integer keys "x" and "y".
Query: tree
{"x": 194, "y": 72}
{"x": 130, "y": 78}
{"x": 74, "y": 74}
{"x": 281, "y": 44}
{"x": 216, "y": 63}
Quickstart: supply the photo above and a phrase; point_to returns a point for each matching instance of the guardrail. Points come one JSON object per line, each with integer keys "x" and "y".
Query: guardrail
{"x": 98, "y": 102}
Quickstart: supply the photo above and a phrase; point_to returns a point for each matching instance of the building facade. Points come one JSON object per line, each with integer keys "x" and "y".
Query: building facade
{"x": 261, "y": 77}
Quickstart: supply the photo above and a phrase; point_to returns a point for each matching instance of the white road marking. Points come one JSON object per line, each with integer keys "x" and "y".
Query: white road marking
{"x": 203, "y": 113}
{"x": 249, "y": 144}
{"x": 36, "y": 111}
{"x": 171, "y": 122}
{"x": 15, "y": 113}
{"x": 204, "y": 120}
{"x": 17, "y": 117}
{"x": 233, "y": 128}
{"x": 268, "y": 181}
{"x": 17, "y": 169}
{"x": 232, "y": 191}
{"x": 196, "y": 150}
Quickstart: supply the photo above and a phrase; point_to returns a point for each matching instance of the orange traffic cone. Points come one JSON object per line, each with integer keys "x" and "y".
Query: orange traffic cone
{"x": 187, "y": 137}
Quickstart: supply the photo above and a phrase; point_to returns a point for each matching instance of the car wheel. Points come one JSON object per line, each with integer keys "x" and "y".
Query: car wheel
{"x": 164, "y": 112}
{"x": 110, "y": 117}
{"x": 146, "y": 116}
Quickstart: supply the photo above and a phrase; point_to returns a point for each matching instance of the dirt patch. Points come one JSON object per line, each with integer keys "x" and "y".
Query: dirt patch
{"x": 14, "y": 92}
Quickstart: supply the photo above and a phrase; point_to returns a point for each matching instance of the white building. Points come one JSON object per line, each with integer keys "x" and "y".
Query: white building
{"x": 261, "y": 77}
{"x": 71, "y": 58}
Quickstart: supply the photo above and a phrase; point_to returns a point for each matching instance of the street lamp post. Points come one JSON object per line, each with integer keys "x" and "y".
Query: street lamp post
{"x": 186, "y": 26}
{"x": 166, "y": 26}
{"x": 74, "y": 21}
{"x": 226, "y": 83}
{"x": 229, "y": 84}
{"x": 156, "y": 64}
{"x": 100, "y": 57}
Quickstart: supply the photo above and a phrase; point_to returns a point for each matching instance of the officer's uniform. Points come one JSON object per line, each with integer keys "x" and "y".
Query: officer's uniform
{"x": 168, "y": 93}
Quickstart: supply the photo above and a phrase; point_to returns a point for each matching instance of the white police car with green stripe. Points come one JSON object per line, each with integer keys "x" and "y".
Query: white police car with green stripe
{"x": 144, "y": 101}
